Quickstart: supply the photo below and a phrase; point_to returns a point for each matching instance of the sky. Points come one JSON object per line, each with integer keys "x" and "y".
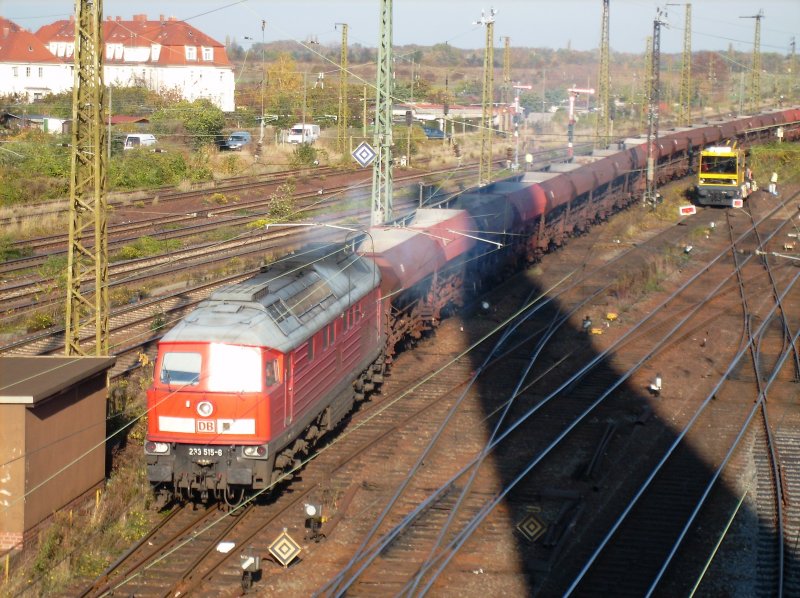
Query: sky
{"x": 530, "y": 23}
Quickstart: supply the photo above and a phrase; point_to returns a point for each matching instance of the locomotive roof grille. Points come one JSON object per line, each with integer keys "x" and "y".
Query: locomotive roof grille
{"x": 300, "y": 301}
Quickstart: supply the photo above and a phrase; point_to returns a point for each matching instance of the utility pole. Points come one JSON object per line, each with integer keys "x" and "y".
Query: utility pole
{"x": 342, "y": 118}
{"x": 487, "y": 100}
{"x": 382, "y": 168}
{"x": 755, "y": 75}
{"x": 603, "y": 83}
{"x": 573, "y": 95}
{"x": 685, "y": 117}
{"x": 506, "y": 91}
{"x": 87, "y": 185}
{"x": 651, "y": 195}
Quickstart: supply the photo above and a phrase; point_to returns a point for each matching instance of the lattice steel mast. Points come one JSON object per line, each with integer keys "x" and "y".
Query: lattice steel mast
{"x": 87, "y": 187}
{"x": 792, "y": 70}
{"x": 646, "y": 85}
{"x": 685, "y": 116}
{"x": 382, "y": 168}
{"x": 650, "y": 195}
{"x": 755, "y": 75}
{"x": 487, "y": 100}
{"x": 343, "y": 116}
{"x": 506, "y": 90}
{"x": 602, "y": 128}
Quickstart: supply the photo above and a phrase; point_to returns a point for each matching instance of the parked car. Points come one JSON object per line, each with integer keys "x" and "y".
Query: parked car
{"x": 236, "y": 141}
{"x": 137, "y": 140}
{"x": 303, "y": 133}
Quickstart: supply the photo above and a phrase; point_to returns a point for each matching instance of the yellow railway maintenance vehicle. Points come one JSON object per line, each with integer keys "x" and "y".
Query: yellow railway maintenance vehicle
{"x": 721, "y": 179}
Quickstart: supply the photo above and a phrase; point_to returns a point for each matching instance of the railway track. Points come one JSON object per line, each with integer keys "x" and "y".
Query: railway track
{"x": 676, "y": 487}
{"x": 169, "y": 226}
{"x": 165, "y": 195}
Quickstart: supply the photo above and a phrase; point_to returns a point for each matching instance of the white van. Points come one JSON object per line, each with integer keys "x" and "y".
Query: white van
{"x": 137, "y": 140}
{"x": 297, "y": 135}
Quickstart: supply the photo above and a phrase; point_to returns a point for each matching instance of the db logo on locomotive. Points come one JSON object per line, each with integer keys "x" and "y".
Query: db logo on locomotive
{"x": 207, "y": 426}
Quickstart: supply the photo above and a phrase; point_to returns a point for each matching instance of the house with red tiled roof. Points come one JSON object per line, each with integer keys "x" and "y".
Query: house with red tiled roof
{"x": 27, "y": 67}
{"x": 163, "y": 55}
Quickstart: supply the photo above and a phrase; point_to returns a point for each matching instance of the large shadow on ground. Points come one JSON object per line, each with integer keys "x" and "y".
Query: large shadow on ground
{"x": 563, "y": 508}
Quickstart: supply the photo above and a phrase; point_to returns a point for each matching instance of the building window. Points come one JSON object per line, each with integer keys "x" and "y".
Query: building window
{"x": 208, "y": 54}
{"x": 15, "y": 71}
{"x": 41, "y": 72}
{"x": 191, "y": 52}
{"x": 27, "y": 71}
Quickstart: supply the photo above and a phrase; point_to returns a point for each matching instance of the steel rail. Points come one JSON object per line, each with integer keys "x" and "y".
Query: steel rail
{"x": 375, "y": 549}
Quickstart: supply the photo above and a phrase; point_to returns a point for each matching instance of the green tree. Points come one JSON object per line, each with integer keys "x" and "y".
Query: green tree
{"x": 200, "y": 121}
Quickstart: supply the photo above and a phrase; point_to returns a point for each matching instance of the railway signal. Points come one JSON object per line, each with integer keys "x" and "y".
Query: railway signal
{"x": 517, "y": 115}
{"x": 574, "y": 92}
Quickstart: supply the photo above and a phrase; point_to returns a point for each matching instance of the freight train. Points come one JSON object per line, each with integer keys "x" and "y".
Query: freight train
{"x": 248, "y": 382}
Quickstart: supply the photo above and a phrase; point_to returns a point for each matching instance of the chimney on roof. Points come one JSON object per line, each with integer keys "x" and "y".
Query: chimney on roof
{"x": 119, "y": 19}
{"x": 172, "y": 18}
{"x": 140, "y": 18}
{"x": 161, "y": 18}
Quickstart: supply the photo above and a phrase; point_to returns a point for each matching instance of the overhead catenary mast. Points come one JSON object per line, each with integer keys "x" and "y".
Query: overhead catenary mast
{"x": 755, "y": 74}
{"x": 382, "y": 167}
{"x": 506, "y": 89}
{"x": 648, "y": 68}
{"x": 87, "y": 188}
{"x": 685, "y": 117}
{"x": 602, "y": 128}
{"x": 650, "y": 195}
{"x": 342, "y": 117}
{"x": 487, "y": 101}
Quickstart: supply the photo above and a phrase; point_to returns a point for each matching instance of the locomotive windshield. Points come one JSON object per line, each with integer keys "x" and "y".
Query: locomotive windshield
{"x": 181, "y": 368}
{"x": 718, "y": 165}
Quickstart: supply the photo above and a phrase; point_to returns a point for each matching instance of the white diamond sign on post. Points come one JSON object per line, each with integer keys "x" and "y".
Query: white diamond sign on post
{"x": 364, "y": 154}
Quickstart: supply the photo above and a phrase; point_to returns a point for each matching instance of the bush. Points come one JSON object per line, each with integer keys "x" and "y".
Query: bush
{"x": 144, "y": 247}
{"x": 282, "y": 205}
{"x": 39, "y": 321}
{"x": 9, "y": 252}
{"x": 143, "y": 169}
{"x": 303, "y": 155}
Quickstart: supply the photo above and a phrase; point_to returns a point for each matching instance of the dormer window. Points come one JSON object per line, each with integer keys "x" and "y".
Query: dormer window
{"x": 208, "y": 54}
{"x": 191, "y": 52}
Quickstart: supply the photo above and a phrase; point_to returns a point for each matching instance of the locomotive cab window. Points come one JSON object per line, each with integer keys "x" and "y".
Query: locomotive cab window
{"x": 181, "y": 368}
{"x": 272, "y": 376}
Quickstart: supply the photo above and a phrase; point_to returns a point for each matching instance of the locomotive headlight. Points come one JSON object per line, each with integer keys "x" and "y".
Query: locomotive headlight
{"x": 255, "y": 452}
{"x": 156, "y": 448}
{"x": 204, "y": 409}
